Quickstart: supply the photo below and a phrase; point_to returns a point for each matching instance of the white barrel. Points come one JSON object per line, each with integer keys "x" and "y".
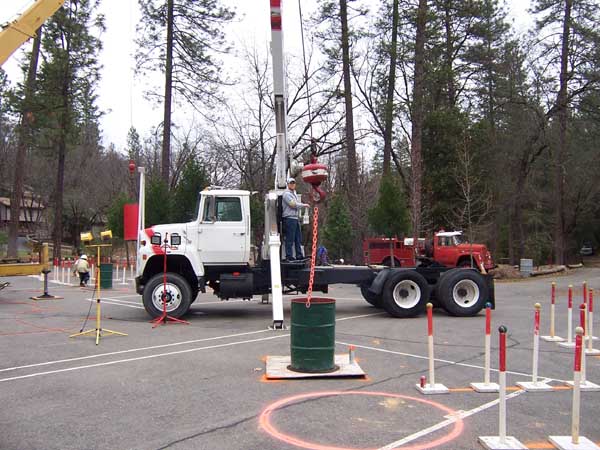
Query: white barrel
{"x": 526, "y": 267}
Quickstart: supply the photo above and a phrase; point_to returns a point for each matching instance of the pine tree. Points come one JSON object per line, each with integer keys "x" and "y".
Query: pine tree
{"x": 389, "y": 216}
{"x": 185, "y": 195}
{"x": 180, "y": 38}
{"x": 65, "y": 111}
{"x": 338, "y": 235}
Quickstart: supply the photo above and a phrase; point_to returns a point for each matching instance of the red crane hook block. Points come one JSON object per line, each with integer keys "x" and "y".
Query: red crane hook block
{"x": 314, "y": 174}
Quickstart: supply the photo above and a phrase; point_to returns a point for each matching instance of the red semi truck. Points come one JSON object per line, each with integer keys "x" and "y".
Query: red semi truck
{"x": 448, "y": 248}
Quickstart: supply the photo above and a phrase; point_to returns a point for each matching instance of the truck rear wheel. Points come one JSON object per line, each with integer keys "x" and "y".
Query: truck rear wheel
{"x": 462, "y": 292}
{"x": 370, "y": 297}
{"x": 405, "y": 294}
{"x": 178, "y": 295}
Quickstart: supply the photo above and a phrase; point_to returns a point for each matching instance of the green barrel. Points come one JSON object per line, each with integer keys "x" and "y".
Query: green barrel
{"x": 106, "y": 275}
{"x": 313, "y": 336}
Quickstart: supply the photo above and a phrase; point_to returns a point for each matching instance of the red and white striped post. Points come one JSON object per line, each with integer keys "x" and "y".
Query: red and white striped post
{"x": 431, "y": 387}
{"x": 575, "y": 441}
{"x": 590, "y": 323}
{"x": 502, "y": 441}
{"x": 569, "y": 343}
{"x": 535, "y": 384}
{"x": 552, "y": 337}
{"x": 124, "y": 281}
{"x": 486, "y": 386}
{"x": 584, "y": 384}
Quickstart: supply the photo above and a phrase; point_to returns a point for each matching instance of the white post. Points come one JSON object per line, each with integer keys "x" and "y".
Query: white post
{"x": 431, "y": 387}
{"x": 569, "y": 343}
{"x": 535, "y": 385}
{"x": 502, "y": 408}
{"x": 579, "y": 361}
{"x": 553, "y": 337}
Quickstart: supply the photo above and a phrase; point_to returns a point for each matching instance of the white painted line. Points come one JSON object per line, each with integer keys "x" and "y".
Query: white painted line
{"x": 452, "y": 363}
{"x": 117, "y": 299}
{"x": 107, "y": 302}
{"x": 447, "y": 422}
{"x": 154, "y": 347}
{"x": 140, "y": 349}
{"x": 140, "y": 358}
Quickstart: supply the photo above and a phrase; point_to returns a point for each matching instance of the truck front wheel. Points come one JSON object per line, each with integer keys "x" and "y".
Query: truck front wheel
{"x": 462, "y": 292}
{"x": 177, "y": 295}
{"x": 405, "y": 294}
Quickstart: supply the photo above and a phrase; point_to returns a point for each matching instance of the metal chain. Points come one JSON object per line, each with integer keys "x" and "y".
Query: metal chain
{"x": 313, "y": 256}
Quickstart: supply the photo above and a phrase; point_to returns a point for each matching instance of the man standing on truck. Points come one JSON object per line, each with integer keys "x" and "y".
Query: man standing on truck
{"x": 291, "y": 224}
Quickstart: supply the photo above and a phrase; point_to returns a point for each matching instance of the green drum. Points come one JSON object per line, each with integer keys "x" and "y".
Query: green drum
{"x": 313, "y": 336}
{"x": 106, "y": 276}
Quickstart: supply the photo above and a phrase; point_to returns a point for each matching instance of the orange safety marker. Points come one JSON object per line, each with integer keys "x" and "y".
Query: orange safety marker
{"x": 535, "y": 384}
{"x": 486, "y": 386}
{"x": 502, "y": 441}
{"x": 575, "y": 442}
{"x": 552, "y": 337}
{"x": 431, "y": 387}
{"x": 569, "y": 343}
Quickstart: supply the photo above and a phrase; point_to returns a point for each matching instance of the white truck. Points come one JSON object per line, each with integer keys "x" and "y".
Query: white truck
{"x": 214, "y": 250}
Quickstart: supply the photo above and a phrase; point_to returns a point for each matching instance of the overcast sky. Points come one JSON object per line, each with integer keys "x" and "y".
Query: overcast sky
{"x": 120, "y": 93}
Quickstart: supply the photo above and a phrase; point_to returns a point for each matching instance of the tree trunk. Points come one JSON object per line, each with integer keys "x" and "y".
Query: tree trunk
{"x": 166, "y": 146}
{"x": 64, "y": 123}
{"x": 389, "y": 102}
{"x": 352, "y": 175}
{"x": 416, "y": 156}
{"x": 24, "y": 138}
{"x": 561, "y": 150}
{"x": 449, "y": 57}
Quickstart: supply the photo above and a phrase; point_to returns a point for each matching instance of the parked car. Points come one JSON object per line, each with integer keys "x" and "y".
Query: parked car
{"x": 586, "y": 250}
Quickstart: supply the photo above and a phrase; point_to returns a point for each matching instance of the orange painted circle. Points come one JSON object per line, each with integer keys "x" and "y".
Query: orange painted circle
{"x": 265, "y": 420}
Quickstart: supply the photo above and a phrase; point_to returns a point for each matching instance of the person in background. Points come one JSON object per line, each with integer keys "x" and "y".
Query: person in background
{"x": 322, "y": 259}
{"x": 82, "y": 268}
{"x": 291, "y": 223}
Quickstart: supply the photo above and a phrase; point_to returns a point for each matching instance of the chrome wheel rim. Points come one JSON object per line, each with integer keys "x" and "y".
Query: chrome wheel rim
{"x": 465, "y": 293}
{"x": 173, "y": 297}
{"x": 407, "y": 294}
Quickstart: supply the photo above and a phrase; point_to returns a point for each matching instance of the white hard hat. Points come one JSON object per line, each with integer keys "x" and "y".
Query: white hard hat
{"x": 83, "y": 257}
{"x": 291, "y": 180}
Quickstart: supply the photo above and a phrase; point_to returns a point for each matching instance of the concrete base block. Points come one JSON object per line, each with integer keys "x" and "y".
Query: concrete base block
{"x": 430, "y": 389}
{"x": 567, "y": 344}
{"x": 530, "y": 386}
{"x": 586, "y": 386}
{"x": 552, "y": 339}
{"x": 493, "y": 443}
{"x": 277, "y": 368}
{"x": 485, "y": 387}
{"x": 566, "y": 443}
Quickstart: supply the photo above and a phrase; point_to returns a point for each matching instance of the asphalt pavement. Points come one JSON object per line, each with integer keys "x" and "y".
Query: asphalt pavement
{"x": 202, "y": 385}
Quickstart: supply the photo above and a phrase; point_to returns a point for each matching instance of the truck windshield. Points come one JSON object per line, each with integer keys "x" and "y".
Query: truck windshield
{"x": 460, "y": 239}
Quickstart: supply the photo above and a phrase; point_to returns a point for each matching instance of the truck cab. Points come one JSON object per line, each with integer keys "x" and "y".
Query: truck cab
{"x": 197, "y": 252}
{"x": 451, "y": 249}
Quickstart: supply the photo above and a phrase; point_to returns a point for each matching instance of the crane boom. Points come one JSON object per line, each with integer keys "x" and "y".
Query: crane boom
{"x": 15, "y": 33}
{"x": 279, "y": 91}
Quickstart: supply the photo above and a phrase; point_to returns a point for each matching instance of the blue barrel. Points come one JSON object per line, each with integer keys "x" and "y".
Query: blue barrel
{"x": 313, "y": 336}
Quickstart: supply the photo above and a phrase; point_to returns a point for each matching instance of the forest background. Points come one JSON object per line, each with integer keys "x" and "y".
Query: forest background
{"x": 429, "y": 114}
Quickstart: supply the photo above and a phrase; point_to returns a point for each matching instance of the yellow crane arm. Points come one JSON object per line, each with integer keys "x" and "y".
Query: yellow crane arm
{"x": 15, "y": 33}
